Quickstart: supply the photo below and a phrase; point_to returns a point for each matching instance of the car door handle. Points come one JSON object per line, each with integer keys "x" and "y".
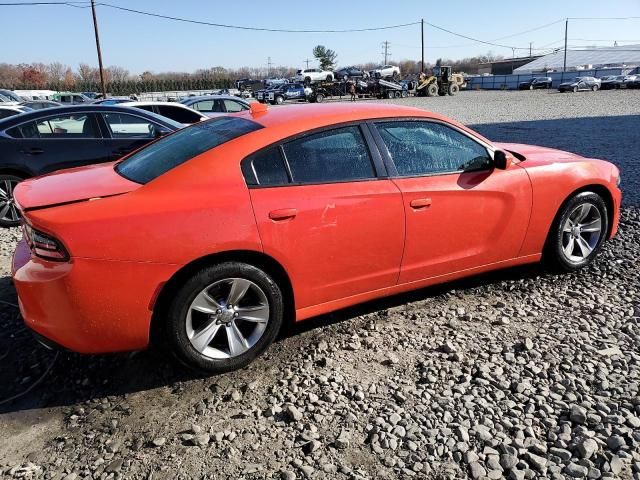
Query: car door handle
{"x": 283, "y": 214}
{"x": 420, "y": 203}
{"x": 122, "y": 151}
{"x": 33, "y": 151}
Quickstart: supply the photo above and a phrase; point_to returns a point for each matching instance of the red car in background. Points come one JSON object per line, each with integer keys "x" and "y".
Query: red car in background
{"x": 208, "y": 239}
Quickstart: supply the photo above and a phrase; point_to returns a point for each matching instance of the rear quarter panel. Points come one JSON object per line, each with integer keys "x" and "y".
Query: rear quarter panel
{"x": 197, "y": 209}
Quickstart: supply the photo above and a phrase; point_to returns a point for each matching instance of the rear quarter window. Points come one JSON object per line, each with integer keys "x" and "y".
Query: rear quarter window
{"x": 167, "y": 153}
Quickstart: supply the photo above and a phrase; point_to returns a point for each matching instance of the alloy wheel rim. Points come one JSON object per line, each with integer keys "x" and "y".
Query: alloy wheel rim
{"x": 227, "y": 318}
{"x": 8, "y": 209}
{"x": 581, "y": 232}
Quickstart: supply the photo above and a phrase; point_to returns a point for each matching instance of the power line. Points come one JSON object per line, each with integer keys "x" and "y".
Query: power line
{"x": 604, "y": 18}
{"x": 261, "y": 29}
{"x": 529, "y": 31}
{"x": 477, "y": 40}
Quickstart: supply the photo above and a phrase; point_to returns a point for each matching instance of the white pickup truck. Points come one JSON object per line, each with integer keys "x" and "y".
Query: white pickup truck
{"x": 310, "y": 75}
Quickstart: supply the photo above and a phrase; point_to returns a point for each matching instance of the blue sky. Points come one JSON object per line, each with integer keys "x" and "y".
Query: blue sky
{"x": 138, "y": 43}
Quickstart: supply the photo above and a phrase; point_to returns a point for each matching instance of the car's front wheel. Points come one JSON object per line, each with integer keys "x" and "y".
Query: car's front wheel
{"x": 9, "y": 215}
{"x": 223, "y": 317}
{"x": 578, "y": 232}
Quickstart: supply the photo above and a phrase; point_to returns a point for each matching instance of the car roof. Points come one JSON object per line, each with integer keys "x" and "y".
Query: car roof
{"x": 299, "y": 118}
{"x": 212, "y": 97}
{"x": 47, "y": 112}
{"x": 134, "y": 103}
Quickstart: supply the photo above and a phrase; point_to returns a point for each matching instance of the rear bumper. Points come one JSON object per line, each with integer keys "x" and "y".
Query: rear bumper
{"x": 87, "y": 305}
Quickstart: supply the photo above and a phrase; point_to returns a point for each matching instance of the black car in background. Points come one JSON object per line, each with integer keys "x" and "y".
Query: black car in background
{"x": 537, "y": 82}
{"x": 346, "y": 73}
{"x": 42, "y": 141}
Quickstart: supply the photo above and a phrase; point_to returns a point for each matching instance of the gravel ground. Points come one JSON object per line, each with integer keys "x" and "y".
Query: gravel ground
{"x": 519, "y": 374}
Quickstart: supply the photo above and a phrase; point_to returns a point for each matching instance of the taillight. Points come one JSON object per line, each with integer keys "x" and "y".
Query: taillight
{"x": 45, "y": 246}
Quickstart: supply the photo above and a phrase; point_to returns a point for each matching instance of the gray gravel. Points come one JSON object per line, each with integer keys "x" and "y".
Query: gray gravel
{"x": 519, "y": 374}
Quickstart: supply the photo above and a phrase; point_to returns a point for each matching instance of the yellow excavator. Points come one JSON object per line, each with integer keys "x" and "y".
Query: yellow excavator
{"x": 441, "y": 82}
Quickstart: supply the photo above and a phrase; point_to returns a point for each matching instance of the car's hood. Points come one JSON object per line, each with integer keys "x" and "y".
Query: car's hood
{"x": 538, "y": 154}
{"x": 73, "y": 185}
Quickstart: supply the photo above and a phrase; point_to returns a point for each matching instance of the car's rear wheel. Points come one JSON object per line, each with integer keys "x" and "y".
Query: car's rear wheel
{"x": 530, "y": 87}
{"x": 223, "y": 317}
{"x": 279, "y": 100}
{"x": 594, "y": 88}
{"x": 575, "y": 89}
{"x": 578, "y": 232}
{"x": 9, "y": 215}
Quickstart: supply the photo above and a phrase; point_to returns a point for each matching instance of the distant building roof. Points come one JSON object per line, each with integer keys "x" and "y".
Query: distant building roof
{"x": 588, "y": 57}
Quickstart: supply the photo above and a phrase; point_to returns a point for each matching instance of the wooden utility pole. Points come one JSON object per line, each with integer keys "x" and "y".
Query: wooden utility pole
{"x": 422, "y": 42}
{"x": 95, "y": 29}
{"x": 566, "y": 28}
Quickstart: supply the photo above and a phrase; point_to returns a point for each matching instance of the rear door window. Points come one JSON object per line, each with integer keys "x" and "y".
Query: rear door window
{"x": 337, "y": 155}
{"x": 232, "y": 106}
{"x": 123, "y": 125}
{"x": 75, "y": 125}
{"x": 178, "y": 114}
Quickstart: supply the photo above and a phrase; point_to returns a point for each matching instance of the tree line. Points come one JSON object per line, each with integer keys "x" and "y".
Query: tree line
{"x": 120, "y": 81}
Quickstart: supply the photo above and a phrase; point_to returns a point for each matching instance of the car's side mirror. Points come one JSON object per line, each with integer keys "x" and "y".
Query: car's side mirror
{"x": 501, "y": 160}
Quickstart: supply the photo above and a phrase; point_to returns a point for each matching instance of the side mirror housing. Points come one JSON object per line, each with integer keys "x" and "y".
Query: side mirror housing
{"x": 501, "y": 160}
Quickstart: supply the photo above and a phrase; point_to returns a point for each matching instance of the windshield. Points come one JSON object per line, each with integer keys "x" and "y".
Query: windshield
{"x": 167, "y": 153}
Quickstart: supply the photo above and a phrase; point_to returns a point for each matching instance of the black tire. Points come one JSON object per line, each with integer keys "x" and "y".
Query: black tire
{"x": 11, "y": 218}
{"x": 530, "y": 87}
{"x": 174, "y": 325}
{"x": 453, "y": 89}
{"x": 319, "y": 98}
{"x": 594, "y": 88}
{"x": 390, "y": 94}
{"x": 405, "y": 94}
{"x": 307, "y": 81}
{"x": 575, "y": 89}
{"x": 432, "y": 90}
{"x": 554, "y": 255}
{"x": 279, "y": 100}
{"x": 329, "y": 78}
{"x": 395, "y": 76}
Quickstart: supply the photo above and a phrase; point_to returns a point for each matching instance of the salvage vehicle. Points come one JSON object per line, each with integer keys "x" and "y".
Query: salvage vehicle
{"x": 68, "y": 98}
{"x": 386, "y": 71}
{"x": 346, "y": 73}
{"x": 175, "y": 111}
{"x": 213, "y": 237}
{"x": 580, "y": 84}
{"x": 536, "y": 82}
{"x": 215, "y": 105}
{"x": 310, "y": 75}
{"x": 289, "y": 91}
{"x": 41, "y": 141}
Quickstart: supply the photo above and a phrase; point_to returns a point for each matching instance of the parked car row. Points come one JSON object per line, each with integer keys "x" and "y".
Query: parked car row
{"x": 584, "y": 83}
{"x": 42, "y": 140}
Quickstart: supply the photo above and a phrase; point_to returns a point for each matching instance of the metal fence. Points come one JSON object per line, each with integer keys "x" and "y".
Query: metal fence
{"x": 511, "y": 82}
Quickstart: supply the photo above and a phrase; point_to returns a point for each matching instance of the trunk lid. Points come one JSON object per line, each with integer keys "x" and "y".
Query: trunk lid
{"x": 73, "y": 185}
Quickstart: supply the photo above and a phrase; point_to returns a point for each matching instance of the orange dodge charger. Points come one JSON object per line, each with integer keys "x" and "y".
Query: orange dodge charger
{"x": 208, "y": 239}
